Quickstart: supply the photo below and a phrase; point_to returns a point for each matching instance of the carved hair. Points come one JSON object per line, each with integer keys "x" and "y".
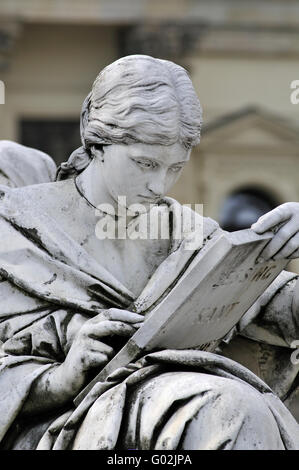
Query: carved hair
{"x": 137, "y": 99}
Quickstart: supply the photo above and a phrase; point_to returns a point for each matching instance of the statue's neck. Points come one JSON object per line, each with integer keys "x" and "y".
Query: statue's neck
{"x": 92, "y": 186}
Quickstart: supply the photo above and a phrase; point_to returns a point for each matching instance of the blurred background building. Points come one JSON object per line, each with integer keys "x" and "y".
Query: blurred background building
{"x": 242, "y": 57}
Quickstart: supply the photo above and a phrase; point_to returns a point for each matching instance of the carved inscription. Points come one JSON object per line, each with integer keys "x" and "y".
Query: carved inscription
{"x": 263, "y": 273}
{"x": 209, "y": 313}
{"x": 243, "y": 275}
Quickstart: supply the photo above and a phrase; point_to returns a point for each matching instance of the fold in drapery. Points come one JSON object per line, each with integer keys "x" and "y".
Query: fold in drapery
{"x": 23, "y": 166}
{"x": 102, "y": 411}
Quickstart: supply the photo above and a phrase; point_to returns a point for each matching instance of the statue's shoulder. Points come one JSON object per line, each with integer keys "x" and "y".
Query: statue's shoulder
{"x": 22, "y": 165}
{"x": 44, "y": 196}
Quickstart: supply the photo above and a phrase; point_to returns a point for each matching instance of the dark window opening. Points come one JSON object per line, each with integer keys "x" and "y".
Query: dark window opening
{"x": 58, "y": 138}
{"x": 243, "y": 207}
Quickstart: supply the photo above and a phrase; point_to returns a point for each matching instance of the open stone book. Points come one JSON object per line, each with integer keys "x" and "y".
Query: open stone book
{"x": 218, "y": 287}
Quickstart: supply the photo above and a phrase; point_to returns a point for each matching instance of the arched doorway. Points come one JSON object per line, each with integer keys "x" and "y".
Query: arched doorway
{"x": 243, "y": 207}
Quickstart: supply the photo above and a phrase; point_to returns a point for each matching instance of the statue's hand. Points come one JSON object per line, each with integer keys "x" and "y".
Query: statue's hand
{"x": 88, "y": 350}
{"x": 285, "y": 243}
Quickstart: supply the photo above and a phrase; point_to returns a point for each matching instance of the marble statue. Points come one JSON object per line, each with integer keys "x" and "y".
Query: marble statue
{"x": 70, "y": 300}
{"x": 23, "y": 166}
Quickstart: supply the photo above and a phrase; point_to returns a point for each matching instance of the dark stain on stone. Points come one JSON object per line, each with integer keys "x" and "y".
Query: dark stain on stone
{"x": 51, "y": 280}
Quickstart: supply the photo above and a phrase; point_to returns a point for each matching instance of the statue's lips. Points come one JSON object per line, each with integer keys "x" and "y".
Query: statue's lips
{"x": 148, "y": 198}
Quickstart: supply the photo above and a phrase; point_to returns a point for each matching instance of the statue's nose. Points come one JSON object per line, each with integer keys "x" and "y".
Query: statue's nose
{"x": 155, "y": 194}
{"x": 157, "y": 186}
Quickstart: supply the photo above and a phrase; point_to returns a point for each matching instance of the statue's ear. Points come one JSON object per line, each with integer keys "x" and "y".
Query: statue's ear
{"x": 97, "y": 151}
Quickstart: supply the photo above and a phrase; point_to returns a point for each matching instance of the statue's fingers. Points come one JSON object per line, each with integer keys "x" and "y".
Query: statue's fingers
{"x": 124, "y": 315}
{"x": 102, "y": 315}
{"x": 267, "y": 221}
{"x": 110, "y": 327}
{"x": 282, "y": 236}
{"x": 290, "y": 247}
{"x": 138, "y": 325}
{"x": 117, "y": 314}
{"x": 95, "y": 345}
{"x": 96, "y": 358}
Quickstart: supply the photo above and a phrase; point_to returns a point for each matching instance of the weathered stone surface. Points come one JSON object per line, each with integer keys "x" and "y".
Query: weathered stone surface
{"x": 71, "y": 297}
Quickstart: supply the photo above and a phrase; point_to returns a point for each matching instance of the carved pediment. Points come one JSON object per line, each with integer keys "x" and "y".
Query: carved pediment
{"x": 250, "y": 127}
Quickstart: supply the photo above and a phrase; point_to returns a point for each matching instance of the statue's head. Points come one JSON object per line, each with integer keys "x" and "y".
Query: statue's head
{"x": 137, "y": 100}
{"x": 141, "y": 99}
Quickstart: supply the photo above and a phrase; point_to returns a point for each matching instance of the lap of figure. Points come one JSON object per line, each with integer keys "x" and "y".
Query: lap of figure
{"x": 182, "y": 410}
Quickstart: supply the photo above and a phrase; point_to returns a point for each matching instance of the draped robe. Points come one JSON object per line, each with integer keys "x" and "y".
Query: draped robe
{"x": 167, "y": 399}
{"x": 24, "y": 166}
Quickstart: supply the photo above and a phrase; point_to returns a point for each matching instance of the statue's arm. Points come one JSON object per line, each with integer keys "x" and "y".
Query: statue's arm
{"x": 275, "y": 322}
{"x": 60, "y": 384}
{"x": 278, "y": 320}
{"x": 284, "y": 220}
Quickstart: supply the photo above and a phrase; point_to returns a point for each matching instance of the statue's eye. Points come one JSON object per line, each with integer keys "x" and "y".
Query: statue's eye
{"x": 145, "y": 163}
{"x": 176, "y": 169}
